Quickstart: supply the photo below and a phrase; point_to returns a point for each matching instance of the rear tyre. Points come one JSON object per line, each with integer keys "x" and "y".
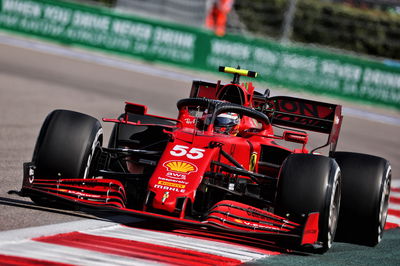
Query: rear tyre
{"x": 365, "y": 197}
{"x": 311, "y": 183}
{"x": 65, "y": 147}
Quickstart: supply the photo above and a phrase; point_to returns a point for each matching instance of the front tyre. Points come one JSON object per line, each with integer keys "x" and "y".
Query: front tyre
{"x": 65, "y": 147}
{"x": 311, "y": 183}
{"x": 365, "y": 197}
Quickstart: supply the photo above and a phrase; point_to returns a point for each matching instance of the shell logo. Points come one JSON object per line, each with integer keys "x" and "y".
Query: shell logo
{"x": 180, "y": 166}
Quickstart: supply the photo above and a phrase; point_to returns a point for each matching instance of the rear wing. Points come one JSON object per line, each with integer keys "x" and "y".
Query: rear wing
{"x": 305, "y": 114}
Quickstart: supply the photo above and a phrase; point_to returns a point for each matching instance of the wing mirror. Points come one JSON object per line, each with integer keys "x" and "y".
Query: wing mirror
{"x": 294, "y": 136}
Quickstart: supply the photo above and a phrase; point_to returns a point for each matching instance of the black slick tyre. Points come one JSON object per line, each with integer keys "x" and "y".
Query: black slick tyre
{"x": 65, "y": 146}
{"x": 365, "y": 197}
{"x": 311, "y": 183}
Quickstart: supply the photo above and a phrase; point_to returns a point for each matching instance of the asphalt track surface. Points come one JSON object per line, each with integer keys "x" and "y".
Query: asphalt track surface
{"x": 33, "y": 83}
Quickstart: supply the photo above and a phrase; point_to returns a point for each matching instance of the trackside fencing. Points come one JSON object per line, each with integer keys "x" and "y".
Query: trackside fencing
{"x": 285, "y": 65}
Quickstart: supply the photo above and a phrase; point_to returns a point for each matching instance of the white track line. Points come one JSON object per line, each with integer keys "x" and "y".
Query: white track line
{"x": 393, "y": 219}
{"x": 395, "y": 207}
{"x": 69, "y": 255}
{"x": 61, "y": 228}
{"x": 13, "y": 242}
{"x": 91, "y": 57}
{"x": 392, "y": 205}
{"x": 396, "y": 183}
{"x": 395, "y": 194}
{"x": 182, "y": 242}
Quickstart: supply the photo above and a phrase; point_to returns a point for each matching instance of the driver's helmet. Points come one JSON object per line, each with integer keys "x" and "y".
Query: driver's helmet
{"x": 227, "y": 123}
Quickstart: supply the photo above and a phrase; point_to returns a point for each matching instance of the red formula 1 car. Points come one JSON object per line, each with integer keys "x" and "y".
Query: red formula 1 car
{"x": 219, "y": 165}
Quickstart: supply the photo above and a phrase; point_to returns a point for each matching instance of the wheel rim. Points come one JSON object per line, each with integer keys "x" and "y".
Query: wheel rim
{"x": 96, "y": 142}
{"x": 334, "y": 210}
{"x": 384, "y": 204}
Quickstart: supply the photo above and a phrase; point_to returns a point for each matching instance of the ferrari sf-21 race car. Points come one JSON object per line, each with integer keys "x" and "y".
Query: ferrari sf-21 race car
{"x": 221, "y": 165}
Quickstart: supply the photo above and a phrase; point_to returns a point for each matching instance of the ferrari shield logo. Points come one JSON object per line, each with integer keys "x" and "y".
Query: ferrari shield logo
{"x": 253, "y": 161}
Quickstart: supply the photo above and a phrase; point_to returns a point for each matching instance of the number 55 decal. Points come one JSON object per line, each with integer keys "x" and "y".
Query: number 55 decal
{"x": 193, "y": 153}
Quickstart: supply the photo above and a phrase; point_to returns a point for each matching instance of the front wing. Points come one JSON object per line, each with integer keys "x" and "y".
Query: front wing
{"x": 226, "y": 215}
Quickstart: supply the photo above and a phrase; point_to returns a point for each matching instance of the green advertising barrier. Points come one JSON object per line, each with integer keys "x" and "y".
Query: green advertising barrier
{"x": 297, "y": 67}
{"x": 100, "y": 28}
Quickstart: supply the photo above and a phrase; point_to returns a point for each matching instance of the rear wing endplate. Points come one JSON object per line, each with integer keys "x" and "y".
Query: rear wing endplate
{"x": 307, "y": 115}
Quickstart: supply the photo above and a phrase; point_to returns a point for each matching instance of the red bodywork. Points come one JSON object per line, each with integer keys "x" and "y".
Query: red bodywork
{"x": 193, "y": 156}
